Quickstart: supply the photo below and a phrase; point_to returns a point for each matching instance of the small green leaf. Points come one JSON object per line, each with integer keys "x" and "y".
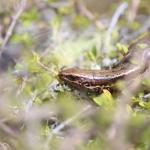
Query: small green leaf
{"x": 129, "y": 109}
{"x": 36, "y": 56}
{"x": 30, "y": 15}
{"x": 142, "y": 45}
{"x": 81, "y": 21}
{"x": 65, "y": 10}
{"x": 108, "y": 95}
{"x": 56, "y": 22}
{"x": 142, "y": 103}
{"x": 38, "y": 101}
{"x": 123, "y": 48}
{"x": 105, "y": 99}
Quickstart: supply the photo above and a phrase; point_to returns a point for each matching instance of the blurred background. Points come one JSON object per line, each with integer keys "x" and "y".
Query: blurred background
{"x": 40, "y": 37}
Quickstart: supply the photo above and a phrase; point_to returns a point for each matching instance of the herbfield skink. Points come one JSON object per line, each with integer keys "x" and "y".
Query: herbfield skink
{"x": 97, "y": 80}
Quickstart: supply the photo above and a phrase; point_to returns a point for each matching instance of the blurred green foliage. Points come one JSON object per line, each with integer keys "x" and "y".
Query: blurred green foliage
{"x": 73, "y": 40}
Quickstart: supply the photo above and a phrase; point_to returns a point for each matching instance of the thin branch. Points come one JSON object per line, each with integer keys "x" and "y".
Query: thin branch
{"x": 87, "y": 13}
{"x": 117, "y": 130}
{"x": 7, "y": 130}
{"x": 66, "y": 123}
{"x": 120, "y": 10}
{"x": 133, "y": 10}
{"x": 14, "y": 22}
{"x": 145, "y": 27}
{"x": 147, "y": 95}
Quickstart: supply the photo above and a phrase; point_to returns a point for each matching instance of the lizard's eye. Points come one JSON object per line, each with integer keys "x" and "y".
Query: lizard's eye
{"x": 72, "y": 78}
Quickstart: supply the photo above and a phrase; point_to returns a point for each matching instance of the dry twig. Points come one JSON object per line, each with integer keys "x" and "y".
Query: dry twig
{"x": 66, "y": 123}
{"x": 13, "y": 23}
{"x": 120, "y": 10}
{"x": 133, "y": 10}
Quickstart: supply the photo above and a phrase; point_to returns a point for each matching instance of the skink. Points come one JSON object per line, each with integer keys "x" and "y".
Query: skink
{"x": 97, "y": 80}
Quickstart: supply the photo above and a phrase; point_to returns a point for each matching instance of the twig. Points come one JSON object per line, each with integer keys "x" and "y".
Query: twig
{"x": 133, "y": 10}
{"x": 89, "y": 14}
{"x": 30, "y": 102}
{"x": 21, "y": 86}
{"x": 120, "y": 10}
{"x": 44, "y": 66}
{"x": 7, "y": 130}
{"x": 144, "y": 28}
{"x": 65, "y": 123}
{"x": 14, "y": 22}
{"x": 116, "y": 133}
{"x": 147, "y": 95}
{"x": 117, "y": 130}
